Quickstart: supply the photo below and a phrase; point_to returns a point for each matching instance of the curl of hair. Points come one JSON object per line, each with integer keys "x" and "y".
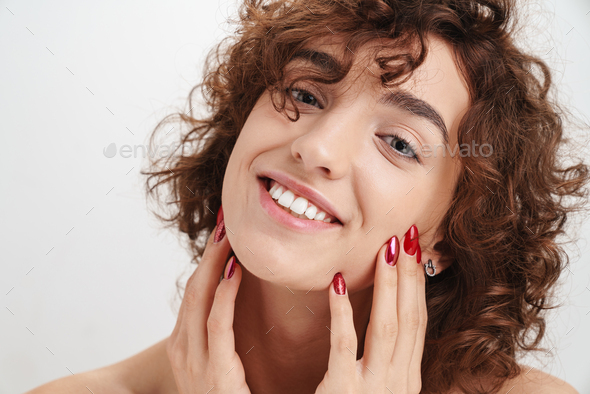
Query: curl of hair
{"x": 508, "y": 208}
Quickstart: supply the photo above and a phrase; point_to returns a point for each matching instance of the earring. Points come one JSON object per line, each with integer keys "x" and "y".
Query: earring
{"x": 430, "y": 266}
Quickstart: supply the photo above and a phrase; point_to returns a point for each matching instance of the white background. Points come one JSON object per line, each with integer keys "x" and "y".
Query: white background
{"x": 87, "y": 278}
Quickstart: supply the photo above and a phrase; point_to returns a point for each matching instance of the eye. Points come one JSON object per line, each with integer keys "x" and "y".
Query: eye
{"x": 304, "y": 97}
{"x": 402, "y": 147}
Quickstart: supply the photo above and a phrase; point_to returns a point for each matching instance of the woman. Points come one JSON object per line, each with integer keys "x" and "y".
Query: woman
{"x": 381, "y": 192}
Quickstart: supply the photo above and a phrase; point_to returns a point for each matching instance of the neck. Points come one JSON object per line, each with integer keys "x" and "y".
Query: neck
{"x": 282, "y": 336}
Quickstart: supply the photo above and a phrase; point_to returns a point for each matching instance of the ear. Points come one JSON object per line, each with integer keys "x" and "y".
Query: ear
{"x": 438, "y": 259}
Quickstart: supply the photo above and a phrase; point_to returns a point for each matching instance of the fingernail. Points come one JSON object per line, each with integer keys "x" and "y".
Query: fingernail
{"x": 419, "y": 255}
{"x": 392, "y": 251}
{"x": 230, "y": 268}
{"x": 411, "y": 240}
{"x": 220, "y": 232}
{"x": 219, "y": 214}
{"x": 339, "y": 285}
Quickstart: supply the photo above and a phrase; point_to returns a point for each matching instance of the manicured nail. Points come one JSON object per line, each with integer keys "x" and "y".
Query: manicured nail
{"x": 230, "y": 268}
{"x": 220, "y": 232}
{"x": 392, "y": 251}
{"x": 419, "y": 255}
{"x": 219, "y": 214}
{"x": 411, "y": 240}
{"x": 339, "y": 285}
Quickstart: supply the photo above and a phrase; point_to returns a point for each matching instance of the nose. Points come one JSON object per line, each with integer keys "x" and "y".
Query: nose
{"x": 328, "y": 146}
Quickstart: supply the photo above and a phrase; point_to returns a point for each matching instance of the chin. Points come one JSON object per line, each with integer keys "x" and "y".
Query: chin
{"x": 279, "y": 265}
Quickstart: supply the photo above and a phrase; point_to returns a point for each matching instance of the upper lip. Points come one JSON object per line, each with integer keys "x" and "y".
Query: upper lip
{"x": 313, "y": 196}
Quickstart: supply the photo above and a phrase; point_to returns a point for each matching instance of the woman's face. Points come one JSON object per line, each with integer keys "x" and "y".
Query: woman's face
{"x": 341, "y": 148}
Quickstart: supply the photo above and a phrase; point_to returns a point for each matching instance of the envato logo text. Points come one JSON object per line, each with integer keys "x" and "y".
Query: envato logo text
{"x": 135, "y": 151}
{"x": 464, "y": 150}
{"x": 427, "y": 150}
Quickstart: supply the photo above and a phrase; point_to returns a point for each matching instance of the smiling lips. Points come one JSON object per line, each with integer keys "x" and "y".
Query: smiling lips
{"x": 297, "y": 206}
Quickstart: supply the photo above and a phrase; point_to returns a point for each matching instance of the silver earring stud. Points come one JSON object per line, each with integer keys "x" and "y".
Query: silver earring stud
{"x": 430, "y": 268}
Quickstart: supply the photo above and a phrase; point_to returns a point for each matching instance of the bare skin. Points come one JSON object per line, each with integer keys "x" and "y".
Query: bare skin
{"x": 151, "y": 371}
{"x": 340, "y": 148}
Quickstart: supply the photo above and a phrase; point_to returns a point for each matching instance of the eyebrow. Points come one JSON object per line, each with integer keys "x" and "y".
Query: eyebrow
{"x": 398, "y": 98}
{"x": 327, "y": 63}
{"x": 420, "y": 108}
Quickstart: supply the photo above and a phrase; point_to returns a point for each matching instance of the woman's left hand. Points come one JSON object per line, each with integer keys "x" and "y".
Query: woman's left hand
{"x": 394, "y": 340}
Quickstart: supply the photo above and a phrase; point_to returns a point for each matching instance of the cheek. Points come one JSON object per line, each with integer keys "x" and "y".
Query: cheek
{"x": 389, "y": 197}
{"x": 435, "y": 204}
{"x": 359, "y": 272}
{"x": 252, "y": 140}
{"x": 438, "y": 194}
{"x": 231, "y": 184}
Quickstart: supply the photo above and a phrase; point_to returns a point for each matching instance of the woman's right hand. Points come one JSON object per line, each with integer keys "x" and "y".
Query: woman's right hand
{"x": 201, "y": 349}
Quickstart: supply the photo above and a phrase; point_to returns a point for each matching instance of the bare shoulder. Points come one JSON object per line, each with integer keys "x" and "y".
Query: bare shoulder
{"x": 145, "y": 372}
{"x": 97, "y": 381}
{"x": 534, "y": 381}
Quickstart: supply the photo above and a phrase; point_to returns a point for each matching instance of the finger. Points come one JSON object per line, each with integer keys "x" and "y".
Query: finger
{"x": 220, "y": 333}
{"x": 383, "y": 324}
{"x": 200, "y": 290}
{"x": 343, "y": 341}
{"x": 205, "y": 279}
{"x": 407, "y": 307}
{"x": 415, "y": 375}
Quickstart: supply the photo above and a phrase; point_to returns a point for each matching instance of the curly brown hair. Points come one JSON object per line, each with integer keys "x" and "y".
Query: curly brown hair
{"x": 508, "y": 209}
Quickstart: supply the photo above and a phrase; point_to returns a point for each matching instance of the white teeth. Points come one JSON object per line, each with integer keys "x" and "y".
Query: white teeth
{"x": 277, "y": 193}
{"x": 311, "y": 211}
{"x": 286, "y": 199}
{"x": 272, "y": 189}
{"x": 299, "y": 207}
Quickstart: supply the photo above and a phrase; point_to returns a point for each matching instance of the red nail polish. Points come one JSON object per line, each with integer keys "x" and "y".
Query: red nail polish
{"x": 392, "y": 251}
{"x": 411, "y": 240}
{"x": 220, "y": 232}
{"x": 219, "y": 214}
{"x": 231, "y": 267}
{"x": 419, "y": 254}
{"x": 339, "y": 285}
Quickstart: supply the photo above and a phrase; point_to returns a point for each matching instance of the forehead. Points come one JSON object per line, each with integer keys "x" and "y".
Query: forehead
{"x": 437, "y": 81}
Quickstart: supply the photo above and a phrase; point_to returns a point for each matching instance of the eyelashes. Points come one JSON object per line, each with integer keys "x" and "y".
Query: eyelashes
{"x": 306, "y": 94}
{"x": 403, "y": 148}
{"x": 403, "y": 145}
